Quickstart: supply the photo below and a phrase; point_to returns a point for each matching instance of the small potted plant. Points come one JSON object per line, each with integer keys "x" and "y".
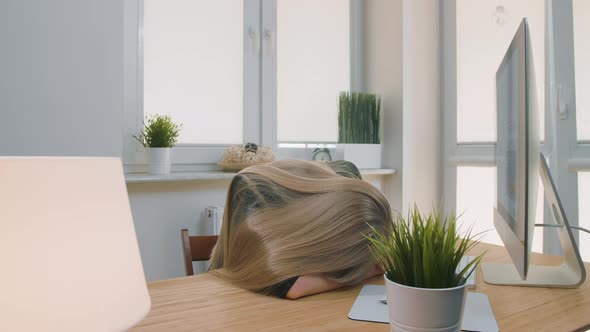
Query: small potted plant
{"x": 159, "y": 135}
{"x": 359, "y": 140}
{"x": 419, "y": 256}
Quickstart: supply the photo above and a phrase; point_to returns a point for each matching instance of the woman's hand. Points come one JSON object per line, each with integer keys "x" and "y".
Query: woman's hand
{"x": 316, "y": 283}
{"x": 310, "y": 284}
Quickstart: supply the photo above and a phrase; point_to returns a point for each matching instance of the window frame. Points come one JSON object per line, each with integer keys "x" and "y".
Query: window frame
{"x": 259, "y": 97}
{"x": 185, "y": 156}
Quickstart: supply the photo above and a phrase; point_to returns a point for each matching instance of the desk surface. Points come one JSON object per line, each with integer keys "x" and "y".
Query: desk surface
{"x": 206, "y": 303}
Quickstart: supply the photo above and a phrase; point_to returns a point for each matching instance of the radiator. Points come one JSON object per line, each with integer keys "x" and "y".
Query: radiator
{"x": 214, "y": 217}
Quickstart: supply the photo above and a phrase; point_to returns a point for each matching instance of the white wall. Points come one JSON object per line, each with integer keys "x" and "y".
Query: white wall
{"x": 61, "y": 77}
{"x": 421, "y": 104}
{"x": 160, "y": 211}
{"x": 383, "y": 75}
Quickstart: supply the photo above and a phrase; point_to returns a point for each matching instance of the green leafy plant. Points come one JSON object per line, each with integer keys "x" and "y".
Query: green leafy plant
{"x": 159, "y": 132}
{"x": 359, "y": 115}
{"x": 423, "y": 251}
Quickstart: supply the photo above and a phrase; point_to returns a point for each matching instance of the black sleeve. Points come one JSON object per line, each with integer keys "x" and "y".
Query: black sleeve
{"x": 282, "y": 288}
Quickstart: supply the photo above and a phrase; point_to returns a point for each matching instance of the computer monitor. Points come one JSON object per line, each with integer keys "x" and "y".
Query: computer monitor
{"x": 517, "y": 149}
{"x": 517, "y": 172}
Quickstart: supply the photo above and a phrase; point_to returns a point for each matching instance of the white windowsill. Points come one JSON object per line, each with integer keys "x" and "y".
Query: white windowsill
{"x": 220, "y": 175}
{"x": 378, "y": 171}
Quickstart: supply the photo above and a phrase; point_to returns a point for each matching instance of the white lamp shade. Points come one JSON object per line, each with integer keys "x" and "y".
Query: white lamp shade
{"x": 69, "y": 259}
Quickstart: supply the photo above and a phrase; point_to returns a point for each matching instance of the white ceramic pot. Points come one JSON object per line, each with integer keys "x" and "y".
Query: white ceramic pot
{"x": 425, "y": 309}
{"x": 159, "y": 160}
{"x": 362, "y": 155}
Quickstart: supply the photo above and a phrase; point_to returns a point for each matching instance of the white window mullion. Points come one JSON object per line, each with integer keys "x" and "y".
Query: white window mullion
{"x": 269, "y": 73}
{"x": 252, "y": 71}
{"x": 561, "y": 129}
{"x": 474, "y": 154}
{"x": 133, "y": 79}
{"x": 580, "y": 159}
{"x": 357, "y": 46}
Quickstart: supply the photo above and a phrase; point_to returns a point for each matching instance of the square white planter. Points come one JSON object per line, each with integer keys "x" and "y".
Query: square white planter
{"x": 362, "y": 155}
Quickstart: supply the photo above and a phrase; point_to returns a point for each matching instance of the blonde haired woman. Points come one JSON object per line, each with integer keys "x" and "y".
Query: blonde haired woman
{"x": 295, "y": 228}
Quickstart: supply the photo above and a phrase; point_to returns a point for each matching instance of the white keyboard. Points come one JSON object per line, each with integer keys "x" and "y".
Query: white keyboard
{"x": 470, "y": 281}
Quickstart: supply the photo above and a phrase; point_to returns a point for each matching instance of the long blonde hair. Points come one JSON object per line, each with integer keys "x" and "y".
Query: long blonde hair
{"x": 293, "y": 217}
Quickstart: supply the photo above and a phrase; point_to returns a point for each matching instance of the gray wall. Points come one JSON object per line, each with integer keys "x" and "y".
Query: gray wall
{"x": 61, "y": 77}
{"x": 61, "y": 94}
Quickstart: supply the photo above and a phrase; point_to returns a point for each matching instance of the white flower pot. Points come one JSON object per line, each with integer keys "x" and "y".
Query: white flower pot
{"x": 425, "y": 309}
{"x": 362, "y": 155}
{"x": 159, "y": 160}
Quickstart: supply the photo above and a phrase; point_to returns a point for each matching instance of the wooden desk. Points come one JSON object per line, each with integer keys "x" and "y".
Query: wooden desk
{"x": 205, "y": 303}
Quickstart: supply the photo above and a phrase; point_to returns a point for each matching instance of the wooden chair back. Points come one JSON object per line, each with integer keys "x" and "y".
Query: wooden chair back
{"x": 196, "y": 248}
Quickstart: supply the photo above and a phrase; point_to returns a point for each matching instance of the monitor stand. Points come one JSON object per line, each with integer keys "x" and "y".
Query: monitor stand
{"x": 570, "y": 274}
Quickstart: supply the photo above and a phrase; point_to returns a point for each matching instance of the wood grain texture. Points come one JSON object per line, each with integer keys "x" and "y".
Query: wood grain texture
{"x": 205, "y": 303}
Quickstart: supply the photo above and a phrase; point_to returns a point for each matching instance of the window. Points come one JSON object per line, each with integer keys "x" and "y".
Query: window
{"x": 476, "y": 201}
{"x": 484, "y": 30}
{"x": 235, "y": 71}
{"x": 193, "y": 67}
{"x": 476, "y": 207}
{"x": 313, "y": 67}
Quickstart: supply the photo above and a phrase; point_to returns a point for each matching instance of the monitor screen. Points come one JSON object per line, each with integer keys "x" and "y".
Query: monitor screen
{"x": 517, "y": 146}
{"x": 507, "y": 149}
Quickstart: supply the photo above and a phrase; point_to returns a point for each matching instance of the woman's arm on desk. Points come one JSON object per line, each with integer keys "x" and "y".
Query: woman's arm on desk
{"x": 317, "y": 283}
{"x": 311, "y": 284}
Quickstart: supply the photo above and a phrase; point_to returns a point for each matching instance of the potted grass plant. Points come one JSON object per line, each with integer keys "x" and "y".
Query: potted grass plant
{"x": 359, "y": 137}
{"x": 158, "y": 136}
{"x": 419, "y": 256}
